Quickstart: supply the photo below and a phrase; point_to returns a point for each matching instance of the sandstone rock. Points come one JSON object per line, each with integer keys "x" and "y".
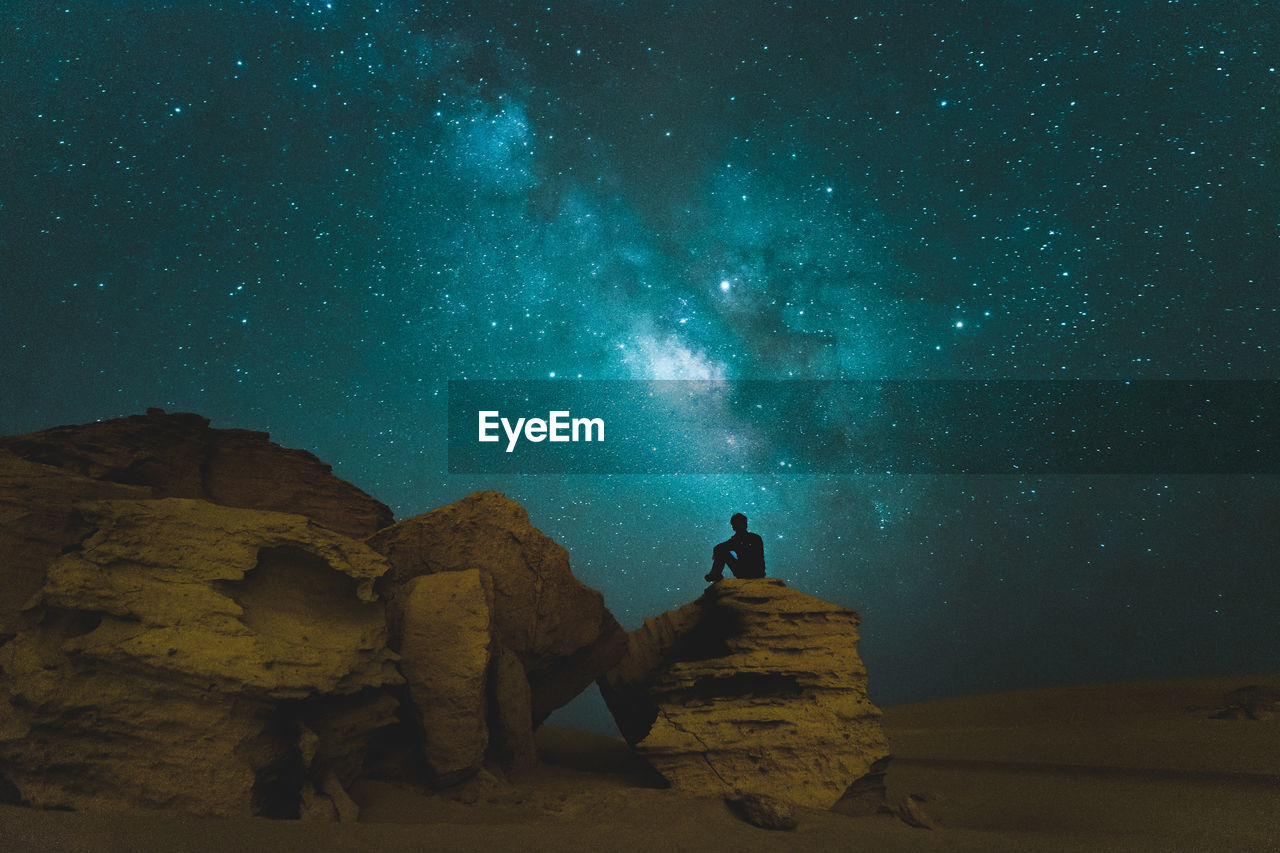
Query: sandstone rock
{"x": 245, "y": 469}
{"x": 482, "y": 786}
{"x": 557, "y": 627}
{"x": 179, "y": 455}
{"x": 867, "y": 795}
{"x": 317, "y": 806}
{"x": 38, "y": 520}
{"x": 195, "y": 658}
{"x": 347, "y": 729}
{"x": 913, "y": 814}
{"x": 511, "y": 741}
{"x": 763, "y": 810}
{"x": 755, "y": 687}
{"x": 330, "y": 802}
{"x": 348, "y": 811}
{"x": 445, "y": 648}
{"x": 649, "y": 648}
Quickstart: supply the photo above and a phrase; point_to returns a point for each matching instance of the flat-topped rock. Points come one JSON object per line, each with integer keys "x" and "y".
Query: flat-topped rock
{"x": 180, "y": 456}
{"x": 754, "y": 688}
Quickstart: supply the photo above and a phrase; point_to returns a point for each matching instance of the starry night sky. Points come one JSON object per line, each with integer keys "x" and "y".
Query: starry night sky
{"x": 307, "y": 217}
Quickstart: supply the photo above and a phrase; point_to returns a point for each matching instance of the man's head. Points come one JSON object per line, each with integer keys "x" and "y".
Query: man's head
{"x": 738, "y": 522}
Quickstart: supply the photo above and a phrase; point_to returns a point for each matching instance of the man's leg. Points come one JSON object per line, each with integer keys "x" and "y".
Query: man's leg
{"x": 721, "y": 556}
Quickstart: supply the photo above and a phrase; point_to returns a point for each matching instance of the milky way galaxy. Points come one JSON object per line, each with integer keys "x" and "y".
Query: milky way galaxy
{"x": 308, "y": 217}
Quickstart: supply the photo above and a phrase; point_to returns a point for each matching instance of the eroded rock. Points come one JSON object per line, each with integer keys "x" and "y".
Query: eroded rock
{"x": 195, "y": 658}
{"x": 754, "y": 688}
{"x": 557, "y": 627}
{"x": 38, "y": 520}
{"x": 179, "y": 455}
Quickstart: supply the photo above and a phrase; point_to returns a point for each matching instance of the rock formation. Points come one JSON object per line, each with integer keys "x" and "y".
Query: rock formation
{"x": 38, "y": 520}
{"x": 558, "y": 629}
{"x": 170, "y": 641}
{"x": 754, "y": 688}
{"x": 179, "y": 456}
{"x": 446, "y": 645}
{"x": 198, "y": 658}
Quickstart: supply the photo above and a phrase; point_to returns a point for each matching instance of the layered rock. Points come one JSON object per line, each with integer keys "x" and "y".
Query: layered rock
{"x": 169, "y": 641}
{"x": 198, "y": 658}
{"x": 179, "y": 455}
{"x": 38, "y": 520}
{"x": 754, "y": 688}
{"x": 558, "y": 628}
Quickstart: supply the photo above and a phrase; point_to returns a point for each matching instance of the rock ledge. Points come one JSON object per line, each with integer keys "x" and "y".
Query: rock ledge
{"x": 755, "y": 688}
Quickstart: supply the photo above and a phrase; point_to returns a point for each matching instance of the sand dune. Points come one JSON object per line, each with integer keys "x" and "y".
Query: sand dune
{"x": 1129, "y": 767}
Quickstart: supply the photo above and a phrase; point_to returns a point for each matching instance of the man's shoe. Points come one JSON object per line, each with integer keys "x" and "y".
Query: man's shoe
{"x": 712, "y": 578}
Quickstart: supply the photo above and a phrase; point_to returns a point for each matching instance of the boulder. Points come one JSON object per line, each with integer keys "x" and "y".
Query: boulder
{"x": 466, "y": 690}
{"x": 558, "y": 628}
{"x": 763, "y": 810}
{"x": 913, "y": 814}
{"x": 179, "y": 455}
{"x": 753, "y": 689}
{"x": 446, "y": 648}
{"x": 197, "y": 658}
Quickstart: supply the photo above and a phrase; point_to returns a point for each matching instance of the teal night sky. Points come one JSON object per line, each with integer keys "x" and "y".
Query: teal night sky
{"x": 308, "y": 217}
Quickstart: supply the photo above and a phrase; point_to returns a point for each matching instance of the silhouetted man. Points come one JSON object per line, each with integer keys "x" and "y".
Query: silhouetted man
{"x": 743, "y": 553}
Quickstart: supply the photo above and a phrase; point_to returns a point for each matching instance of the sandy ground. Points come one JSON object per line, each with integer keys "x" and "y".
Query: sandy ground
{"x": 1136, "y": 767}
